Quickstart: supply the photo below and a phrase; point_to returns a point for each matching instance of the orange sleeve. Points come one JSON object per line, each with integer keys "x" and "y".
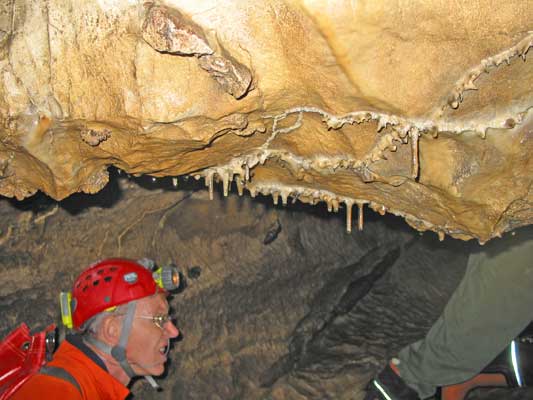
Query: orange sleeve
{"x": 47, "y": 388}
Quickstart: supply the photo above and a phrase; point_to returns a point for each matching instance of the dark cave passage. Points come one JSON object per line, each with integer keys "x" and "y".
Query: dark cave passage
{"x": 280, "y": 302}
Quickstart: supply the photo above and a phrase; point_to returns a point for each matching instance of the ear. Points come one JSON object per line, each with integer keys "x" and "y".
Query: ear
{"x": 110, "y": 330}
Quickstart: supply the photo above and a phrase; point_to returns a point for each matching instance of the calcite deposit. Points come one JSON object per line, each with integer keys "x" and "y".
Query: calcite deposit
{"x": 419, "y": 108}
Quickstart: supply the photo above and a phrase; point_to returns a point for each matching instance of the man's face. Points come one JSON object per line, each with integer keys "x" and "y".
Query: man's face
{"x": 147, "y": 345}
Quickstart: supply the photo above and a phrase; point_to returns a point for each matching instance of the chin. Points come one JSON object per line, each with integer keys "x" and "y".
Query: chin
{"x": 157, "y": 370}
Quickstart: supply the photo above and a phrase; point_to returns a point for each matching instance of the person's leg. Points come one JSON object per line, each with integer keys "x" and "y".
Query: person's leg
{"x": 491, "y": 306}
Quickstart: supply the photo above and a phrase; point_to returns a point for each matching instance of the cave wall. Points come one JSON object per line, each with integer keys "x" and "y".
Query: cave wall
{"x": 280, "y": 302}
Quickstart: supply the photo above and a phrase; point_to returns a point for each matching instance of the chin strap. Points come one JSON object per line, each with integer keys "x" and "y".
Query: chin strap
{"x": 152, "y": 382}
{"x": 118, "y": 352}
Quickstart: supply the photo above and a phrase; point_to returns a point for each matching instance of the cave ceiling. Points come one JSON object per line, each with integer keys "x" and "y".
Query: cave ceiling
{"x": 418, "y": 108}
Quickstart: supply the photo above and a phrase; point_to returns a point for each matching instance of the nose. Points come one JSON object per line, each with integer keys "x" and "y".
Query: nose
{"x": 171, "y": 330}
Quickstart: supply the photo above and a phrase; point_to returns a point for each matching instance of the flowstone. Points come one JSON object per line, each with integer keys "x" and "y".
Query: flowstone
{"x": 419, "y": 109}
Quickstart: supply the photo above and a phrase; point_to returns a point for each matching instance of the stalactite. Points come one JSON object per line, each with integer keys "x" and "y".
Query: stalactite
{"x": 414, "y": 153}
{"x": 284, "y": 196}
{"x": 336, "y": 205}
{"x": 226, "y": 180}
{"x": 240, "y": 187}
{"x": 209, "y": 183}
{"x": 349, "y": 205}
{"x": 360, "y": 216}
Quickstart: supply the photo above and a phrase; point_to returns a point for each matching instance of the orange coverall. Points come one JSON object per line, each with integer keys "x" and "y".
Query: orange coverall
{"x": 85, "y": 366}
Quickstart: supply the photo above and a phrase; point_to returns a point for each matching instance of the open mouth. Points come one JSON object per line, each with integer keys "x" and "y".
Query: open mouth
{"x": 164, "y": 349}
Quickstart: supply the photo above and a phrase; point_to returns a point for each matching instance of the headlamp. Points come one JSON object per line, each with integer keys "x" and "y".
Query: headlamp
{"x": 65, "y": 299}
{"x": 167, "y": 277}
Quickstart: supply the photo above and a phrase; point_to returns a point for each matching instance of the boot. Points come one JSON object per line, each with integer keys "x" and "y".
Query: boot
{"x": 388, "y": 385}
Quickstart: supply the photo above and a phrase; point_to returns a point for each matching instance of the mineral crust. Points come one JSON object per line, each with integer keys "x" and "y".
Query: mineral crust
{"x": 418, "y": 108}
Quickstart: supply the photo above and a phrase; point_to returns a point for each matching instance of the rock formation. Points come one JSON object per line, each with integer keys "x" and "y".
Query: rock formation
{"x": 279, "y": 304}
{"x": 420, "y": 108}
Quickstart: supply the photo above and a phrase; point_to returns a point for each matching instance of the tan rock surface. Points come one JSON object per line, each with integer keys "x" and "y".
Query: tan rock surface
{"x": 419, "y": 108}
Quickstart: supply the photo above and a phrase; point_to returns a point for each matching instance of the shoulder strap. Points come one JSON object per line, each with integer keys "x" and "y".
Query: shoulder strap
{"x": 60, "y": 373}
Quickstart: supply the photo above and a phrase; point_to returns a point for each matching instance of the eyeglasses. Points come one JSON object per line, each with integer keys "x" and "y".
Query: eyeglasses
{"x": 159, "y": 320}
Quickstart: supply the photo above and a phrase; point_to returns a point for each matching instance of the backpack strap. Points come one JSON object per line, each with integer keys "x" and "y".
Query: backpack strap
{"x": 60, "y": 373}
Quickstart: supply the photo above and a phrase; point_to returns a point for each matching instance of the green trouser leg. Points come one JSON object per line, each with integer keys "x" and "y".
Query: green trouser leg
{"x": 490, "y": 307}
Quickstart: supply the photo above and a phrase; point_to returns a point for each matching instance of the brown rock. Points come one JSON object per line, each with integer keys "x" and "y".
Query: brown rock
{"x": 339, "y": 92}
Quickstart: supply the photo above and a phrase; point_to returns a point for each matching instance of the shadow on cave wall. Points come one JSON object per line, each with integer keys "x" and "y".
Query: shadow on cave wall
{"x": 281, "y": 303}
{"x": 119, "y": 182}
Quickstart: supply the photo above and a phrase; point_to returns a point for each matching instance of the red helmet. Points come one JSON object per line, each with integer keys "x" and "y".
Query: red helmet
{"x": 109, "y": 283}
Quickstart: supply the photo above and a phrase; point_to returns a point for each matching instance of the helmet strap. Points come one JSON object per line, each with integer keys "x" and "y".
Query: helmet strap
{"x": 118, "y": 352}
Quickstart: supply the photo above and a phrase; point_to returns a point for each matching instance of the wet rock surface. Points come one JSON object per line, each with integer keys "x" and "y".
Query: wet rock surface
{"x": 280, "y": 302}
